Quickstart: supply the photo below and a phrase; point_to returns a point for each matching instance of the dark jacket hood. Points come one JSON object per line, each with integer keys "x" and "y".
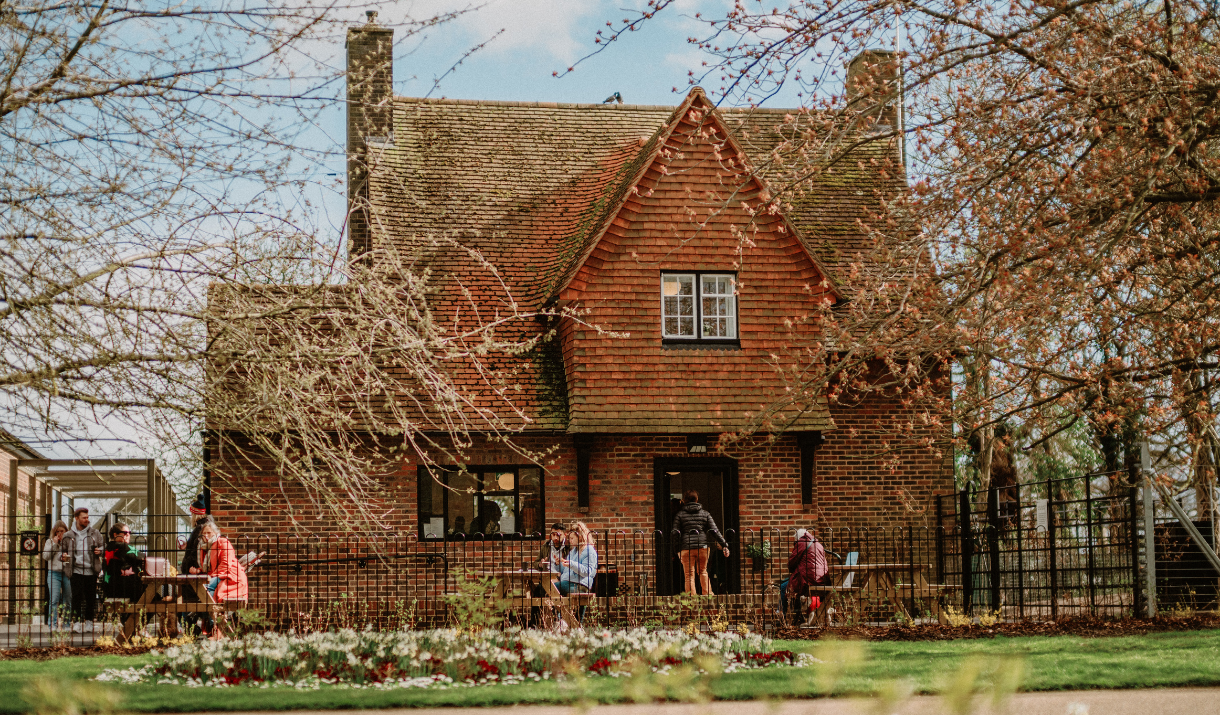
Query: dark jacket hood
{"x": 692, "y": 507}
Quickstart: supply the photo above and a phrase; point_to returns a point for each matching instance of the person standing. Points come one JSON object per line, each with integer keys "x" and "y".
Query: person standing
{"x": 693, "y": 525}
{"x": 82, "y": 550}
{"x": 59, "y": 576}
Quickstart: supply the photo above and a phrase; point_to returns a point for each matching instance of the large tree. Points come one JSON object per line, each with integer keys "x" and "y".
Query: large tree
{"x": 153, "y": 153}
{"x": 1060, "y": 238}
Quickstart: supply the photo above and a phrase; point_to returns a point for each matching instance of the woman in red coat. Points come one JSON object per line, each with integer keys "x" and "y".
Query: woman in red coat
{"x": 226, "y": 571}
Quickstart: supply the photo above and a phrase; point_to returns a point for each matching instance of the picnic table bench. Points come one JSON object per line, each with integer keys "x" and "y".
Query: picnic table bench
{"x": 150, "y": 603}
{"x": 884, "y": 581}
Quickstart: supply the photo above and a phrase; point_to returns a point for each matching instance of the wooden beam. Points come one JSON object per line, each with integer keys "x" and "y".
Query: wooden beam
{"x": 12, "y": 542}
{"x": 150, "y": 470}
{"x": 584, "y": 452}
{"x": 809, "y": 443}
{"x": 81, "y": 462}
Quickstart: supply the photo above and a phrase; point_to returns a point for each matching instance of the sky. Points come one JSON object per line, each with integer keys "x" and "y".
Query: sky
{"x": 540, "y": 37}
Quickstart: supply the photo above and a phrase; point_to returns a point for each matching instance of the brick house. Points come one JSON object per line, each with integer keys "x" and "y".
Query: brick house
{"x": 644, "y": 217}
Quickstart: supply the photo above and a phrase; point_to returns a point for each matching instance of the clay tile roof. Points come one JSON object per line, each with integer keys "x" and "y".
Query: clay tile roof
{"x": 531, "y": 186}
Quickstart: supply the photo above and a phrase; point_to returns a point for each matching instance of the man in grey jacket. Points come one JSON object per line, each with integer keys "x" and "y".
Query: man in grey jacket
{"x": 82, "y": 548}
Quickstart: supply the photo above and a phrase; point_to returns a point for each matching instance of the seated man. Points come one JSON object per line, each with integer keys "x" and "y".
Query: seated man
{"x": 807, "y": 564}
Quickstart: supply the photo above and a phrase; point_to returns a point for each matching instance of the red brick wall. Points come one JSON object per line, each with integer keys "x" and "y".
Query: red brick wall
{"x": 857, "y": 481}
{"x": 689, "y": 213}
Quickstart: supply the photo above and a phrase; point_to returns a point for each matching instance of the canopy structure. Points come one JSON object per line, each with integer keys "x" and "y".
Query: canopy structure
{"x": 137, "y": 481}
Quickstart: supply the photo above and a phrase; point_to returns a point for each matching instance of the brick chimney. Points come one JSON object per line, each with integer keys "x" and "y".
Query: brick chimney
{"x": 874, "y": 87}
{"x": 370, "y": 119}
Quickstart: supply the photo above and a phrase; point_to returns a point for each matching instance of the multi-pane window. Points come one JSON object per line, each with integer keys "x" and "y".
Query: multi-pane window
{"x": 480, "y": 500}
{"x": 698, "y": 306}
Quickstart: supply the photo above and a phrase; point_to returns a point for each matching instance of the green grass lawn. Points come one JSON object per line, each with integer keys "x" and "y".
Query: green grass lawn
{"x": 1059, "y": 663}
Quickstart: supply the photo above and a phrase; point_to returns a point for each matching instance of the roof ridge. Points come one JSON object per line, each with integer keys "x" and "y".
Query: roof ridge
{"x": 540, "y": 105}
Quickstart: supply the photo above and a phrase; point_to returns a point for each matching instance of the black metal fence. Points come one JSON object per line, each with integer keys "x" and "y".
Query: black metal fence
{"x": 1045, "y": 549}
{"x": 310, "y": 583}
{"x": 1042, "y": 550}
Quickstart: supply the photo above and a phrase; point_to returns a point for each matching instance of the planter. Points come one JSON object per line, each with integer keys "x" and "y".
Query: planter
{"x": 758, "y": 564}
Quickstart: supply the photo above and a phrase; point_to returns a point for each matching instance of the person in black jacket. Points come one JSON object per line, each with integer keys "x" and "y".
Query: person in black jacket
{"x": 694, "y": 524}
{"x": 190, "y": 562}
{"x": 122, "y": 565}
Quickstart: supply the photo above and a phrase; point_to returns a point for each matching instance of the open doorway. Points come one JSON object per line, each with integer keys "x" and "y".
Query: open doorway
{"x": 715, "y": 479}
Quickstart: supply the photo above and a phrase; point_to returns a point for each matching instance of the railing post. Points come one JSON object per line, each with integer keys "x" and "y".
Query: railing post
{"x": 1050, "y": 545}
{"x": 1020, "y": 561}
{"x": 993, "y": 544}
{"x": 1135, "y": 550}
{"x": 1088, "y": 521}
{"x": 967, "y": 550}
{"x": 1150, "y": 547}
{"x": 940, "y": 542}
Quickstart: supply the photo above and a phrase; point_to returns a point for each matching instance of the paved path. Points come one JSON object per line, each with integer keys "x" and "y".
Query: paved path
{"x": 1168, "y": 701}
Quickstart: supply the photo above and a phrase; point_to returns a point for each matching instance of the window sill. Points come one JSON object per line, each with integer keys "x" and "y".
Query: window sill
{"x": 701, "y": 345}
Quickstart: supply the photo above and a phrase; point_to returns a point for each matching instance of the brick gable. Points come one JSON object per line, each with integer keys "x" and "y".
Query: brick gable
{"x": 692, "y": 208}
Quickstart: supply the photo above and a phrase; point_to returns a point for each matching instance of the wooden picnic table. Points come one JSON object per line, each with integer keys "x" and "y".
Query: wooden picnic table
{"x": 523, "y": 579}
{"x": 891, "y": 582}
{"x": 168, "y": 608}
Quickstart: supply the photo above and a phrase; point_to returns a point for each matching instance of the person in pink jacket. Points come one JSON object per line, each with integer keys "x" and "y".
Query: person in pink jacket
{"x": 228, "y": 581}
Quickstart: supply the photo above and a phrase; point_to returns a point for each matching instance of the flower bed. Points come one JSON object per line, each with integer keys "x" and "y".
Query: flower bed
{"x": 443, "y": 658}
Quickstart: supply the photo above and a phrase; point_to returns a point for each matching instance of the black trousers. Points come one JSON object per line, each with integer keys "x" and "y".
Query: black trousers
{"x": 84, "y": 596}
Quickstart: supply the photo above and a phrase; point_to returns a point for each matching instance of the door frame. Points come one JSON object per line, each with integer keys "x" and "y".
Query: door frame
{"x": 732, "y": 504}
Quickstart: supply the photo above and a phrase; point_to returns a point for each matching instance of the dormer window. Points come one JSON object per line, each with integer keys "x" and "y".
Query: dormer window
{"x": 699, "y": 307}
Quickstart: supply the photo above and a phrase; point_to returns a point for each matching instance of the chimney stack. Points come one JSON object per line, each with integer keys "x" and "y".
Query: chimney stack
{"x": 370, "y": 119}
{"x": 874, "y": 87}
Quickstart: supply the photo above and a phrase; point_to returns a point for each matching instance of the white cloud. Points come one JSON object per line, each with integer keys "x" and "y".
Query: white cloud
{"x": 558, "y": 28}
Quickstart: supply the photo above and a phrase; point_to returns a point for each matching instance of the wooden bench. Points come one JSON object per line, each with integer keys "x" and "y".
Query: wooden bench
{"x": 568, "y": 605}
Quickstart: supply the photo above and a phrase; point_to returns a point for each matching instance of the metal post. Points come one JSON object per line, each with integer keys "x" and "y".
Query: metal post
{"x": 1050, "y": 544}
{"x": 940, "y": 542}
{"x": 1088, "y": 536}
{"x": 911, "y": 561}
{"x": 1133, "y": 528}
{"x": 1150, "y": 547}
{"x": 1020, "y": 562}
{"x": 993, "y": 544}
{"x": 967, "y": 550}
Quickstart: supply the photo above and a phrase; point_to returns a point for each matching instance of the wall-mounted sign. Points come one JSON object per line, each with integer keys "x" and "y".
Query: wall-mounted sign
{"x": 30, "y": 541}
{"x": 1042, "y": 514}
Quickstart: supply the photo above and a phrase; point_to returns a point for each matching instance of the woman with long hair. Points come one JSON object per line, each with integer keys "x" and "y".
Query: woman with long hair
{"x": 694, "y": 525}
{"x": 228, "y": 582}
{"x": 59, "y": 576}
{"x": 579, "y": 566}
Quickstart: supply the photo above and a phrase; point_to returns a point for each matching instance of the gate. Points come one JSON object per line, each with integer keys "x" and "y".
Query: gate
{"x": 1044, "y": 549}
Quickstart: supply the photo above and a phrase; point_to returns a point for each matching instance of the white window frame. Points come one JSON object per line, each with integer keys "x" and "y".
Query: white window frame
{"x": 697, "y": 277}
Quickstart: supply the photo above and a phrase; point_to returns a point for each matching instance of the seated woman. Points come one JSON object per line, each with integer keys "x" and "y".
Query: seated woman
{"x": 122, "y": 565}
{"x": 228, "y": 582}
{"x": 807, "y": 564}
{"x": 579, "y": 566}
